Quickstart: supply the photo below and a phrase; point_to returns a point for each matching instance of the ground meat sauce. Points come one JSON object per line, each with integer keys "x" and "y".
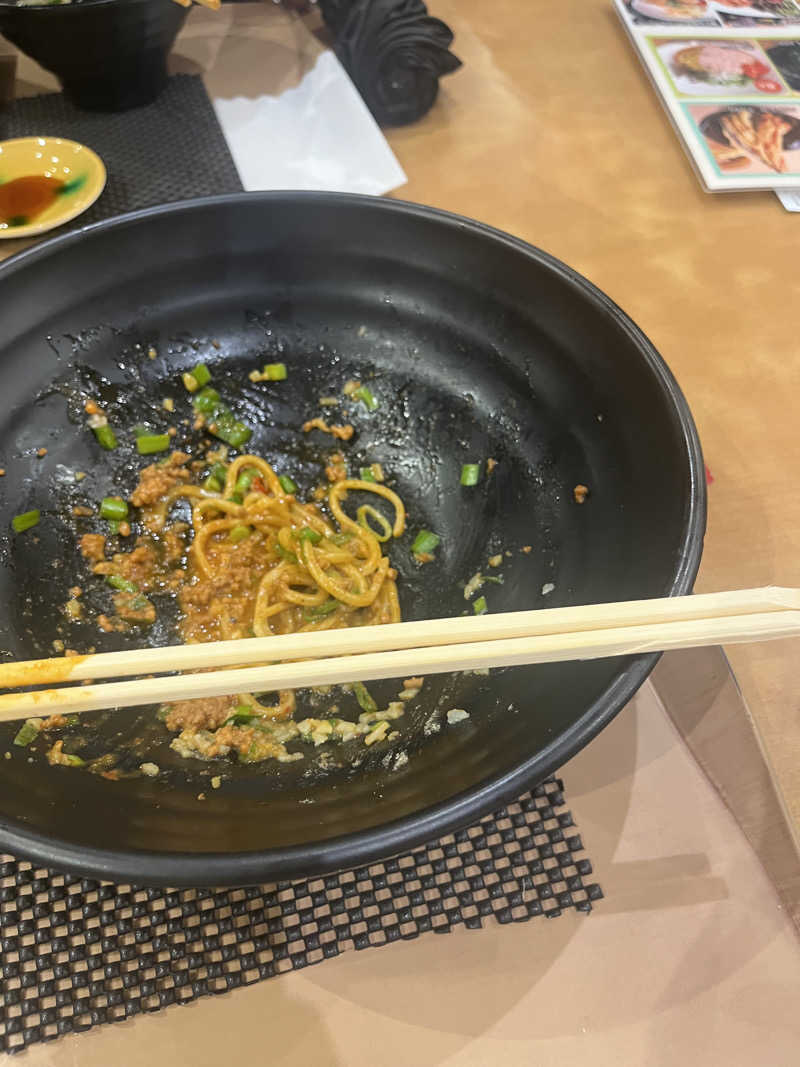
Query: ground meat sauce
{"x": 200, "y": 714}
{"x": 157, "y": 479}
{"x": 93, "y": 546}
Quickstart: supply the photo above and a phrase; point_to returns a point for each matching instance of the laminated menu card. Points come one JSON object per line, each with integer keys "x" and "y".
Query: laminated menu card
{"x": 728, "y": 74}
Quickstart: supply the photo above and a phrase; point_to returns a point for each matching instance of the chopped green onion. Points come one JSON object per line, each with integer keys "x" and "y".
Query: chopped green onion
{"x": 206, "y": 401}
{"x": 116, "y": 581}
{"x": 479, "y": 606}
{"x": 425, "y": 542}
{"x": 163, "y": 712}
{"x": 245, "y": 480}
{"x": 470, "y": 473}
{"x": 275, "y": 372}
{"x": 113, "y": 507}
{"x": 28, "y": 732}
{"x": 219, "y": 471}
{"x": 190, "y": 382}
{"x": 340, "y": 539}
{"x": 290, "y": 556}
{"x": 211, "y": 485}
{"x": 365, "y": 395}
{"x": 367, "y": 512}
{"x": 362, "y": 695}
{"x": 241, "y": 716}
{"x": 68, "y": 759}
{"x": 26, "y": 521}
{"x": 367, "y": 475}
{"x": 230, "y": 430}
{"x": 307, "y": 534}
{"x": 319, "y": 611}
{"x": 239, "y": 533}
{"x": 287, "y": 485}
{"x": 106, "y": 437}
{"x": 498, "y": 580}
{"x": 201, "y": 374}
{"x": 139, "y": 603}
{"x": 113, "y": 526}
{"x": 149, "y": 443}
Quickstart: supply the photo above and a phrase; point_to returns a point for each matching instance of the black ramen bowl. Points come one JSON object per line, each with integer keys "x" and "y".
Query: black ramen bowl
{"x": 109, "y": 55}
{"x": 476, "y": 345}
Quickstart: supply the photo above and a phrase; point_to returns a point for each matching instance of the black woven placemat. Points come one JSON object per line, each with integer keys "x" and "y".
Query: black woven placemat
{"x": 171, "y": 150}
{"x": 77, "y": 953}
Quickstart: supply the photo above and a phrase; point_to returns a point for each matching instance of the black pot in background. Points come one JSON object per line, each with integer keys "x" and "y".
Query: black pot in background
{"x": 109, "y": 55}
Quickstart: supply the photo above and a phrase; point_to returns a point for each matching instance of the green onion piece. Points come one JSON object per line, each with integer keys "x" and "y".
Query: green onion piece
{"x": 367, "y": 475}
{"x": 241, "y": 716}
{"x": 290, "y": 556}
{"x": 201, "y": 374}
{"x": 287, "y": 485}
{"x": 116, "y": 581}
{"x": 190, "y": 382}
{"x": 275, "y": 372}
{"x": 340, "y": 539}
{"x": 245, "y": 480}
{"x": 319, "y": 611}
{"x": 239, "y": 533}
{"x": 230, "y": 429}
{"x": 163, "y": 712}
{"x": 113, "y": 507}
{"x": 479, "y": 606}
{"x": 497, "y": 580}
{"x": 425, "y": 542}
{"x": 367, "y": 512}
{"x": 307, "y": 534}
{"x": 149, "y": 443}
{"x": 113, "y": 526}
{"x": 68, "y": 759}
{"x": 28, "y": 732}
{"x": 219, "y": 471}
{"x": 365, "y": 395}
{"x": 206, "y": 401}
{"x": 26, "y": 521}
{"x": 211, "y": 485}
{"x": 362, "y": 694}
{"x": 470, "y": 473}
{"x": 106, "y": 437}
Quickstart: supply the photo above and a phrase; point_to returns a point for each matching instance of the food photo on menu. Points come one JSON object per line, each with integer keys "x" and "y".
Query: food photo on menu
{"x": 677, "y": 12}
{"x": 750, "y": 139}
{"x": 714, "y": 12}
{"x": 785, "y": 57}
{"x": 703, "y": 67}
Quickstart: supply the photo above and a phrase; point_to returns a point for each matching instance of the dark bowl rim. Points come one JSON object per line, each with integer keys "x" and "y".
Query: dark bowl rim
{"x": 387, "y": 839}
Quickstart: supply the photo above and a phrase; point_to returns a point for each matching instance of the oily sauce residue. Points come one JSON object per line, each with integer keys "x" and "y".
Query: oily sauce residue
{"x": 23, "y": 199}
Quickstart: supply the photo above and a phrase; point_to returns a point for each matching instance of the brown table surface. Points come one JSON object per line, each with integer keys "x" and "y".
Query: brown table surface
{"x": 552, "y": 132}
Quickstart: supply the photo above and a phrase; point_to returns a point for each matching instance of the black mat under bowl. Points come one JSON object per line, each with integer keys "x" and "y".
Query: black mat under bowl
{"x": 77, "y": 953}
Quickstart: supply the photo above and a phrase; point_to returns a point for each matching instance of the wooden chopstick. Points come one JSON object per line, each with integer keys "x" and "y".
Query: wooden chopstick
{"x": 779, "y": 621}
{"x": 359, "y": 640}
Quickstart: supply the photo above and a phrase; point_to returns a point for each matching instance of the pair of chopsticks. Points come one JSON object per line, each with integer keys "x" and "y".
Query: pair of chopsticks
{"x": 436, "y": 646}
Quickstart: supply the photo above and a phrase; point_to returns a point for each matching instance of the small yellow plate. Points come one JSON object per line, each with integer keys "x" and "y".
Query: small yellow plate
{"x": 77, "y": 170}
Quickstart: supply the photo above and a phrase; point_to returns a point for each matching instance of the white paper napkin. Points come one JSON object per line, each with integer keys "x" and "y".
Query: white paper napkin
{"x": 316, "y": 135}
{"x": 790, "y": 198}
